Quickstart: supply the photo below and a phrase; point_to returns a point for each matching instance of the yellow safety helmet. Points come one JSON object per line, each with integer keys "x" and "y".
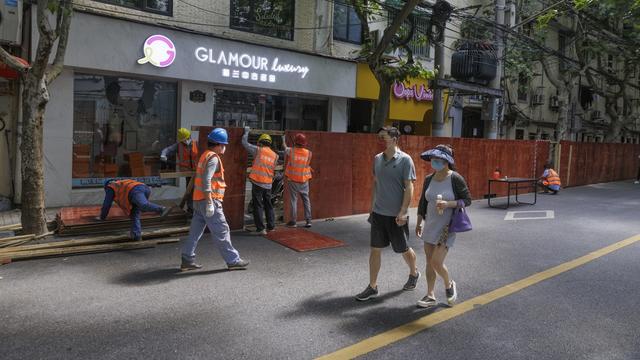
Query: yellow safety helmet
{"x": 265, "y": 138}
{"x": 183, "y": 134}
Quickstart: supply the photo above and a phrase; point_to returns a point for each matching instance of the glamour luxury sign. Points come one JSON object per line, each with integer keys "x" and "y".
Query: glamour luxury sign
{"x": 144, "y": 50}
{"x": 249, "y": 66}
{"x": 418, "y": 93}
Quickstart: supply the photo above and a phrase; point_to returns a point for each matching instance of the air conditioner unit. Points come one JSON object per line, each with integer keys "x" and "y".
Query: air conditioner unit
{"x": 11, "y": 22}
{"x": 596, "y": 115}
{"x": 537, "y": 99}
{"x": 554, "y": 103}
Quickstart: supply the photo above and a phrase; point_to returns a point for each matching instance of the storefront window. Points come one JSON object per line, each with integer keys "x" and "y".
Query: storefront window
{"x": 164, "y": 7}
{"x": 273, "y": 18}
{"x": 120, "y": 125}
{"x": 269, "y": 112}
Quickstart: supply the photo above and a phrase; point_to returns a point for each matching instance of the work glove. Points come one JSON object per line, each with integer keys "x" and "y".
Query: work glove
{"x": 210, "y": 210}
{"x": 247, "y": 129}
{"x": 163, "y": 158}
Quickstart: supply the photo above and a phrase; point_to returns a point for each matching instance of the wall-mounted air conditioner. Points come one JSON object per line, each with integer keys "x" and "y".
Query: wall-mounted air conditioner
{"x": 11, "y": 22}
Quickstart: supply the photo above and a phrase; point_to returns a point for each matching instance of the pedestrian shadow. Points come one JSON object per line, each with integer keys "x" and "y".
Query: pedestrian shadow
{"x": 159, "y": 276}
{"x": 360, "y": 317}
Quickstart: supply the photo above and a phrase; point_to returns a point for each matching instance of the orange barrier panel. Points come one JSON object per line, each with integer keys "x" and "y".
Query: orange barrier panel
{"x": 591, "y": 163}
{"x": 343, "y": 168}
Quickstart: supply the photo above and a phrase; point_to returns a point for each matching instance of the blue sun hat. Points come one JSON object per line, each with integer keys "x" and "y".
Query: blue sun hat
{"x": 440, "y": 152}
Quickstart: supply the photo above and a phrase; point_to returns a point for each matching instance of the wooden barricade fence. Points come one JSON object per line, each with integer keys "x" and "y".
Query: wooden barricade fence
{"x": 343, "y": 168}
{"x": 592, "y": 163}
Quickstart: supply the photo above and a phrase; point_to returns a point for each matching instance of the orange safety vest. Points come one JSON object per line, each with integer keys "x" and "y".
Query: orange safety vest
{"x": 217, "y": 181}
{"x": 298, "y": 169}
{"x": 187, "y": 156}
{"x": 552, "y": 178}
{"x": 264, "y": 165}
{"x": 122, "y": 188}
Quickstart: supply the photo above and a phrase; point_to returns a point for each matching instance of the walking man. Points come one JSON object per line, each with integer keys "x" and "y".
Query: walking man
{"x": 208, "y": 194}
{"x": 133, "y": 198}
{"x": 393, "y": 176}
{"x": 298, "y": 173}
{"x": 261, "y": 177}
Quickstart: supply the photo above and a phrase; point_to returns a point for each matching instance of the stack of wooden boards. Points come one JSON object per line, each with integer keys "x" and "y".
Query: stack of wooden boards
{"x": 81, "y": 221}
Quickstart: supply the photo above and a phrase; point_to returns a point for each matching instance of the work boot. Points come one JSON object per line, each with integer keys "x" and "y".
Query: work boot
{"x": 135, "y": 237}
{"x": 291, "y": 224}
{"x": 189, "y": 265}
{"x": 240, "y": 265}
{"x": 308, "y": 224}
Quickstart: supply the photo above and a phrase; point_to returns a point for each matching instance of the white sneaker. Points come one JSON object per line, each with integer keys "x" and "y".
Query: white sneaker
{"x": 636, "y": 182}
{"x": 452, "y": 293}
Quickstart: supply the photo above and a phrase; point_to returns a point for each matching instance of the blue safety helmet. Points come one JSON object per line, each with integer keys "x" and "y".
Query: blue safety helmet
{"x": 218, "y": 136}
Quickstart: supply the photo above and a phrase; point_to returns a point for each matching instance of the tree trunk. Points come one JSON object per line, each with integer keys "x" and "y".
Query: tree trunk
{"x": 35, "y": 97}
{"x": 563, "y": 114}
{"x": 381, "y": 110}
{"x": 615, "y": 128}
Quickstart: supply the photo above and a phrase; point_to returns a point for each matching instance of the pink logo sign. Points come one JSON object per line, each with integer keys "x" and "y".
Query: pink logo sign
{"x": 158, "y": 51}
{"x": 417, "y": 93}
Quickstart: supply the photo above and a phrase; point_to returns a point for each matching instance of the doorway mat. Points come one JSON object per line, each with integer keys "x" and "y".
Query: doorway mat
{"x": 302, "y": 240}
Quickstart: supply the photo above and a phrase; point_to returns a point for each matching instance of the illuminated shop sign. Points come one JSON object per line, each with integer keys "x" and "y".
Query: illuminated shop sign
{"x": 418, "y": 93}
{"x": 249, "y": 67}
{"x": 158, "y": 51}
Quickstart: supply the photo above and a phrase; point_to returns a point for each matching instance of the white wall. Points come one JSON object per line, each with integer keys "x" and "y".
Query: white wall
{"x": 338, "y": 121}
{"x": 58, "y": 141}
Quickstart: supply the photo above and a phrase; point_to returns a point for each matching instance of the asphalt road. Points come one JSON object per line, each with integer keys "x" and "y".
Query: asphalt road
{"x": 289, "y": 305}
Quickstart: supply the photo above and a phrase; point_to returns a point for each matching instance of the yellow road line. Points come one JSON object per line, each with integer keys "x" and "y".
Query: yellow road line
{"x": 428, "y": 321}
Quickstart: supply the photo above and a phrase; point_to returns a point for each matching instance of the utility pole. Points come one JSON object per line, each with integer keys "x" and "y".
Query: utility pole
{"x": 497, "y": 103}
{"x": 437, "y": 124}
{"x": 441, "y": 12}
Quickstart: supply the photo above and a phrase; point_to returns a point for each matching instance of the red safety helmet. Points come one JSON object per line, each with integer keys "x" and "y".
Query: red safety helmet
{"x": 300, "y": 139}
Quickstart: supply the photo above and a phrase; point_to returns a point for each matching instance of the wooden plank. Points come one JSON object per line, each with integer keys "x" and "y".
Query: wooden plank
{"x": 14, "y": 238}
{"x": 177, "y": 174}
{"x": 78, "y": 250}
{"x": 95, "y": 240}
{"x": 11, "y": 227}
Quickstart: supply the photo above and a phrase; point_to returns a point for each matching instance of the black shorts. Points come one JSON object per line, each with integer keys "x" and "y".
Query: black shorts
{"x": 385, "y": 231}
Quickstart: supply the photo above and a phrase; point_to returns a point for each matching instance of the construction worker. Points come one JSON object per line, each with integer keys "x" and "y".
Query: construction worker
{"x": 186, "y": 158}
{"x": 550, "y": 180}
{"x": 298, "y": 172}
{"x": 261, "y": 177}
{"x": 133, "y": 198}
{"x": 187, "y": 152}
{"x": 208, "y": 193}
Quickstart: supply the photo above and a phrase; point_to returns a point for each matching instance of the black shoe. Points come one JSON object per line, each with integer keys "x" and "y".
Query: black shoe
{"x": 271, "y": 229}
{"x": 240, "y": 265}
{"x": 555, "y": 192}
{"x": 368, "y": 293}
{"x": 165, "y": 211}
{"x": 189, "y": 265}
{"x": 291, "y": 224}
{"x": 452, "y": 293}
{"x": 427, "y": 302}
{"x": 411, "y": 282}
{"x": 308, "y": 224}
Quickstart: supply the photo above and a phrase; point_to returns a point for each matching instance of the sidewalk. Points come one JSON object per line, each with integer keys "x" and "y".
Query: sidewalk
{"x": 13, "y": 216}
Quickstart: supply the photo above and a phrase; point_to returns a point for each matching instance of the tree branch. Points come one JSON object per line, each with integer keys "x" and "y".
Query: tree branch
{"x": 391, "y": 30}
{"x": 66, "y": 9}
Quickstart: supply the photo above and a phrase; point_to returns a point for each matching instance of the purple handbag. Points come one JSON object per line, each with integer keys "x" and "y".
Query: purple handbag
{"x": 460, "y": 221}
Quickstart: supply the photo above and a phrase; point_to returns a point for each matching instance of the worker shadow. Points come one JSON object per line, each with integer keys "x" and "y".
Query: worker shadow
{"x": 350, "y": 314}
{"x": 159, "y": 276}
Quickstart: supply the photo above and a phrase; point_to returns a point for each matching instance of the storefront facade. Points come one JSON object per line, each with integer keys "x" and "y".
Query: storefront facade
{"x": 127, "y": 87}
{"x": 410, "y": 104}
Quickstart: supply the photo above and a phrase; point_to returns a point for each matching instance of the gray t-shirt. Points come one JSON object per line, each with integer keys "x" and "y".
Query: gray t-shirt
{"x": 390, "y": 177}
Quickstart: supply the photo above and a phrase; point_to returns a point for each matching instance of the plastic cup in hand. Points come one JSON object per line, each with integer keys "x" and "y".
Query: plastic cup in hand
{"x": 440, "y": 210}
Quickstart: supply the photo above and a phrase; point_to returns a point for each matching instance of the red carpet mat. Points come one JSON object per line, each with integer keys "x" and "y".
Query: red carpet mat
{"x": 302, "y": 240}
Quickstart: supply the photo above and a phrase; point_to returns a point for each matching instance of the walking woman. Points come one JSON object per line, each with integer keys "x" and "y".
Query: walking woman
{"x": 442, "y": 191}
